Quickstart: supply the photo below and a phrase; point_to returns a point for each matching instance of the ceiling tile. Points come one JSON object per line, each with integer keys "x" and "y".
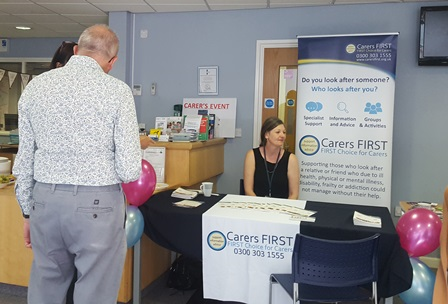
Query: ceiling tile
{"x": 19, "y": 8}
{"x": 277, "y": 3}
{"x": 133, "y": 8}
{"x": 176, "y": 2}
{"x": 59, "y": 1}
{"x": 88, "y": 19}
{"x": 63, "y": 27}
{"x": 15, "y": 1}
{"x": 120, "y": 2}
{"x": 50, "y": 18}
{"x": 77, "y": 8}
{"x": 363, "y": 1}
{"x": 217, "y": 7}
{"x": 161, "y": 8}
{"x": 237, "y": 2}
{"x": 10, "y": 19}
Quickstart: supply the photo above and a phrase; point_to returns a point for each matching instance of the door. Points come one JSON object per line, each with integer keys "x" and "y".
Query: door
{"x": 280, "y": 86}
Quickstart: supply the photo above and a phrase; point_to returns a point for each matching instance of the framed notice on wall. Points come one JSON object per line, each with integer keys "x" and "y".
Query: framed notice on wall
{"x": 208, "y": 80}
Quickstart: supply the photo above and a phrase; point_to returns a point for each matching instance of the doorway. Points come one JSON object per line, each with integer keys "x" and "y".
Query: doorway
{"x": 275, "y": 86}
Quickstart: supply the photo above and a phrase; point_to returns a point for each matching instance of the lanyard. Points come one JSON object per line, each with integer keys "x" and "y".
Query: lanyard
{"x": 270, "y": 178}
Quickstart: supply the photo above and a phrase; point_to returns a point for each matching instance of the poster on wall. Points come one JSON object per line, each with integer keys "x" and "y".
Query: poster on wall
{"x": 345, "y": 105}
{"x": 224, "y": 110}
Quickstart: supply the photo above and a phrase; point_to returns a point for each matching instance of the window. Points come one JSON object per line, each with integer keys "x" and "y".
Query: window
{"x": 11, "y": 84}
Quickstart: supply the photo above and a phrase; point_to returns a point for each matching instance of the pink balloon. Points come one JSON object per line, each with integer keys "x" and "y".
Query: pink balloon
{"x": 419, "y": 231}
{"x": 139, "y": 191}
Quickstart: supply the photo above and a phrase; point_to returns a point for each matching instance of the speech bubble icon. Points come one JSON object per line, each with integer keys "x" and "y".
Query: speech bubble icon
{"x": 311, "y": 106}
{"x": 319, "y": 106}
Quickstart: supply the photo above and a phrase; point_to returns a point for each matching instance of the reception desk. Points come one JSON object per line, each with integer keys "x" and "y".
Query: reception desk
{"x": 187, "y": 164}
{"x": 15, "y": 259}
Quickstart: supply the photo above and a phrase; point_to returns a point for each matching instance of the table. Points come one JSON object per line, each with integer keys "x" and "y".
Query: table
{"x": 180, "y": 230}
{"x": 334, "y": 221}
{"x": 437, "y": 208}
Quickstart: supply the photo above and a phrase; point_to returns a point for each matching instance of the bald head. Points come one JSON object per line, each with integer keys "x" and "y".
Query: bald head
{"x": 98, "y": 39}
{"x": 98, "y": 42}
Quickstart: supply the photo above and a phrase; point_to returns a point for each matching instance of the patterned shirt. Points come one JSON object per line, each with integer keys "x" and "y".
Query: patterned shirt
{"x": 77, "y": 126}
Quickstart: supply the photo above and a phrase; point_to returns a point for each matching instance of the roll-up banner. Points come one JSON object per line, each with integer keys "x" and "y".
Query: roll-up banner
{"x": 345, "y": 95}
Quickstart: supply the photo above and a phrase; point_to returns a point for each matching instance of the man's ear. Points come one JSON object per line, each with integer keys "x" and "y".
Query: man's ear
{"x": 113, "y": 60}
{"x": 75, "y": 50}
{"x": 110, "y": 64}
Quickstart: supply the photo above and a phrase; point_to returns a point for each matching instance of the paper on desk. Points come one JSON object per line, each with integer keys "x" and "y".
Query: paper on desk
{"x": 187, "y": 204}
{"x": 361, "y": 219}
{"x": 269, "y": 207}
{"x": 185, "y": 194}
{"x": 310, "y": 219}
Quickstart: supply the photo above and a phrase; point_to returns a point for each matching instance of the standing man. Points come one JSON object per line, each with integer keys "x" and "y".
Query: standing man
{"x": 79, "y": 141}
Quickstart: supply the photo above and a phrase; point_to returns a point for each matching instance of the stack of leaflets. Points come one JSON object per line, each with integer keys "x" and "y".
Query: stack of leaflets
{"x": 361, "y": 219}
{"x": 187, "y": 204}
{"x": 185, "y": 194}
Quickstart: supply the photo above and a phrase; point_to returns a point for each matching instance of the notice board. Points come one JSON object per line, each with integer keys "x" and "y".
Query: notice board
{"x": 223, "y": 108}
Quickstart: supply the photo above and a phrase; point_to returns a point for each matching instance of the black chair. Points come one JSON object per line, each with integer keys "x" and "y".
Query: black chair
{"x": 331, "y": 271}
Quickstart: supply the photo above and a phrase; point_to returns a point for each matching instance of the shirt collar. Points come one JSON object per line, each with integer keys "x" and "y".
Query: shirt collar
{"x": 85, "y": 61}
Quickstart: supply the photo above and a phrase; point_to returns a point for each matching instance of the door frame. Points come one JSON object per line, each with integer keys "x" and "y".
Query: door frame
{"x": 259, "y": 74}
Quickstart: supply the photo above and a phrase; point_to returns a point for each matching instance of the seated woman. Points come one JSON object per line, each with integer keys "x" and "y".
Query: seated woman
{"x": 269, "y": 170}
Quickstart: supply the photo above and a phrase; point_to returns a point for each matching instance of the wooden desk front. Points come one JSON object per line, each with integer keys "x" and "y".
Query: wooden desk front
{"x": 188, "y": 164}
{"x": 15, "y": 259}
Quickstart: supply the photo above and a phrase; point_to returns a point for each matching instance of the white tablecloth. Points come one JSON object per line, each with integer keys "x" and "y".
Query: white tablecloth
{"x": 245, "y": 239}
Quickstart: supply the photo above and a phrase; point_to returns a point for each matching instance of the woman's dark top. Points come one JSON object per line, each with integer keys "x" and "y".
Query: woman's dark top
{"x": 280, "y": 186}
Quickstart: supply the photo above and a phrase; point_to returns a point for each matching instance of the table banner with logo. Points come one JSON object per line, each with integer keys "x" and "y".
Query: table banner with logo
{"x": 244, "y": 240}
{"x": 345, "y": 108}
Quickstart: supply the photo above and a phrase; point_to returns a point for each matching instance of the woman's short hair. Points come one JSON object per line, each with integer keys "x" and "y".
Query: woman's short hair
{"x": 62, "y": 54}
{"x": 268, "y": 125}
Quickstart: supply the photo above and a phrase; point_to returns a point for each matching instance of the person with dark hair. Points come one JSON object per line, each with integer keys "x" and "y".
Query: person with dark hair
{"x": 269, "y": 170}
{"x": 79, "y": 141}
{"x": 62, "y": 54}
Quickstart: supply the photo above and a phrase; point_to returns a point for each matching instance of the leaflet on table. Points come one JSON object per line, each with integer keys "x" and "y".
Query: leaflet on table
{"x": 188, "y": 204}
{"x": 156, "y": 157}
{"x": 296, "y": 213}
{"x": 183, "y": 193}
{"x": 361, "y": 219}
{"x": 168, "y": 125}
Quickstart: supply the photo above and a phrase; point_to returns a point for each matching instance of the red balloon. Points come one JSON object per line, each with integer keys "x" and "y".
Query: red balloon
{"x": 419, "y": 231}
{"x": 139, "y": 191}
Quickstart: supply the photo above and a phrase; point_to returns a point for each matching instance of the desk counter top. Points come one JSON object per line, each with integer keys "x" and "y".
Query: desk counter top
{"x": 189, "y": 145}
